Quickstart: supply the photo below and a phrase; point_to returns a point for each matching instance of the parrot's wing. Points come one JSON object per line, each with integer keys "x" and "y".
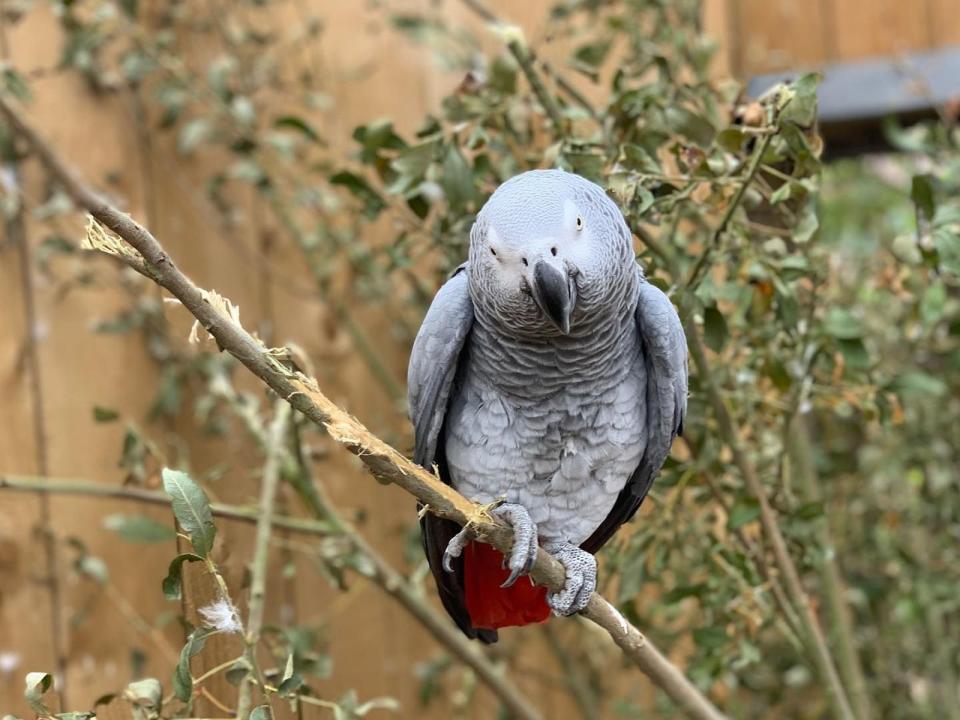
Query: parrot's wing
{"x": 433, "y": 363}
{"x": 431, "y": 379}
{"x": 664, "y": 349}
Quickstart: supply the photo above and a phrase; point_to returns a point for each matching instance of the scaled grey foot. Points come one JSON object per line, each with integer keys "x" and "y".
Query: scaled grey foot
{"x": 523, "y": 554}
{"x": 581, "y": 581}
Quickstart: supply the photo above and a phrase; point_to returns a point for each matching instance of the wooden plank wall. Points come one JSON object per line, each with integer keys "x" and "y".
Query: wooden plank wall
{"x": 771, "y": 35}
{"x": 46, "y": 398}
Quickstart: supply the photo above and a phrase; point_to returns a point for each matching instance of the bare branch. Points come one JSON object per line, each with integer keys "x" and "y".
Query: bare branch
{"x": 382, "y": 460}
{"x": 261, "y": 554}
{"x": 68, "y": 486}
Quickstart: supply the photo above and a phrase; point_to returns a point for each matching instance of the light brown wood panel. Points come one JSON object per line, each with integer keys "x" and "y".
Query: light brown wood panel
{"x": 770, "y": 35}
{"x": 25, "y": 615}
{"x": 881, "y": 27}
{"x": 944, "y": 22}
{"x": 78, "y": 370}
{"x": 716, "y": 24}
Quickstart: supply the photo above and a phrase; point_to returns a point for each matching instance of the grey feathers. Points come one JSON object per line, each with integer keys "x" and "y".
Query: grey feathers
{"x": 569, "y": 416}
{"x": 433, "y": 362}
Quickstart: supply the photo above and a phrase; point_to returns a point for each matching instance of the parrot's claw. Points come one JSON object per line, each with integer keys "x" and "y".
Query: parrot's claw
{"x": 581, "y": 568}
{"x": 524, "y": 552}
{"x": 455, "y": 548}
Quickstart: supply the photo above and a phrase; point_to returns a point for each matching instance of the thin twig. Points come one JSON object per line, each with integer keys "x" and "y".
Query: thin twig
{"x": 382, "y": 460}
{"x": 771, "y": 527}
{"x": 800, "y": 452}
{"x": 701, "y": 264}
{"x": 16, "y": 231}
{"x": 575, "y": 680}
{"x": 261, "y": 553}
{"x": 525, "y": 59}
{"x": 67, "y": 486}
{"x": 813, "y": 633}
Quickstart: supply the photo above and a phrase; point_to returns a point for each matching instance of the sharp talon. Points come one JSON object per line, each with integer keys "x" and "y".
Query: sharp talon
{"x": 514, "y": 574}
{"x": 454, "y": 549}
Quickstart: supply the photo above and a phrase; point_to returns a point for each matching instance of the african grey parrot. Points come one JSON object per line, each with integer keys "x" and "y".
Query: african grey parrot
{"x": 548, "y": 373}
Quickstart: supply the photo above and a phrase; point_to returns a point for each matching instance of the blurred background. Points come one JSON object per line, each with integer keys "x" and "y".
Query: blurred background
{"x": 319, "y": 163}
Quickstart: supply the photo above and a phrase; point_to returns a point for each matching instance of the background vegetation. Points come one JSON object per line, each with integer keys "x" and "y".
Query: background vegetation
{"x": 816, "y": 483}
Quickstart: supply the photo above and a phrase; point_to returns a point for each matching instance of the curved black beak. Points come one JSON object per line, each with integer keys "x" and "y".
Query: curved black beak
{"x": 555, "y": 293}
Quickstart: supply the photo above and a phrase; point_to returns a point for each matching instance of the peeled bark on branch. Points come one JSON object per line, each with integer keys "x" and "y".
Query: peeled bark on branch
{"x": 382, "y": 460}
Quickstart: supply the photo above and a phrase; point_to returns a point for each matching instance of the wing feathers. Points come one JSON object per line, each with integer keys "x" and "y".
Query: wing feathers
{"x": 664, "y": 349}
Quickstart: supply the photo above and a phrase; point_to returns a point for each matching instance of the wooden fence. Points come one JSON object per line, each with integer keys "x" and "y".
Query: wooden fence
{"x": 54, "y": 370}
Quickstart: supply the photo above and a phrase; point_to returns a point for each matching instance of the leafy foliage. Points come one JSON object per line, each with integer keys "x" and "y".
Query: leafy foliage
{"x": 830, "y": 317}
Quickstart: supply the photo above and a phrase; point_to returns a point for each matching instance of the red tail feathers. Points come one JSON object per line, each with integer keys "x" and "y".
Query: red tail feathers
{"x": 491, "y": 606}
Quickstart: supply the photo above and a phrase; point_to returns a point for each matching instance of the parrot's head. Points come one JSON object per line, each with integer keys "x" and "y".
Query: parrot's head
{"x": 549, "y": 250}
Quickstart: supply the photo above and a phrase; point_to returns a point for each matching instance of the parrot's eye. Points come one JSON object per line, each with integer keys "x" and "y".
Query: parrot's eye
{"x": 493, "y": 252}
{"x": 579, "y": 223}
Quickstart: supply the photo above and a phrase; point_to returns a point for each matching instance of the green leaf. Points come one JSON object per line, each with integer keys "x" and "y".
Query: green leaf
{"x": 238, "y": 671}
{"x": 744, "y": 511}
{"x": 922, "y": 195}
{"x": 503, "y": 74}
{"x": 731, "y": 139}
{"x": 921, "y": 383}
{"x": 104, "y": 415}
{"x": 172, "y": 583}
{"x": 802, "y": 108}
{"x": 75, "y": 715}
{"x": 182, "y": 679}
{"x": 810, "y": 511}
{"x": 290, "y": 680}
{"x": 191, "y": 508}
{"x": 854, "y": 353}
{"x": 260, "y": 712}
{"x": 93, "y": 567}
{"x": 146, "y": 696}
{"x": 691, "y": 125}
{"x": 373, "y": 202}
{"x": 946, "y": 240}
{"x": 37, "y": 684}
{"x": 457, "y": 179}
{"x": 588, "y": 58}
{"x": 243, "y": 110}
{"x": 781, "y": 193}
{"x": 411, "y": 165}
{"x": 715, "y": 331}
{"x": 809, "y": 222}
{"x": 843, "y": 324}
{"x": 15, "y": 84}
{"x": 139, "y": 528}
{"x": 685, "y": 591}
{"x": 710, "y": 638}
{"x": 193, "y": 133}
{"x": 588, "y": 164}
{"x": 934, "y": 303}
{"x": 300, "y": 125}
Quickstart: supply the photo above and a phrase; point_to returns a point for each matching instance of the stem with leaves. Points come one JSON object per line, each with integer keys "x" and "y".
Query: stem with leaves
{"x": 771, "y": 527}
{"x": 525, "y": 58}
{"x": 801, "y": 455}
{"x": 261, "y": 555}
{"x": 382, "y": 460}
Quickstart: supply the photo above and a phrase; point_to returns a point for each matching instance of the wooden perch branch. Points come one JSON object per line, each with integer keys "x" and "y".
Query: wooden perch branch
{"x": 382, "y": 460}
